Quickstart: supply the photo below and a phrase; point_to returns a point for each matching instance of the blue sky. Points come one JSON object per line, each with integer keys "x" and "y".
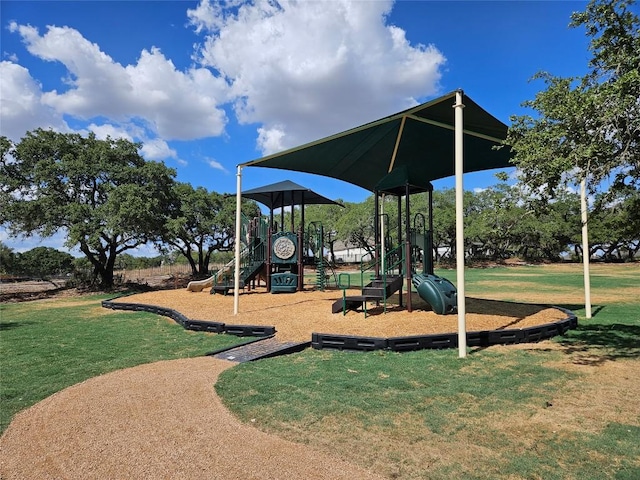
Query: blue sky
{"x": 206, "y": 86}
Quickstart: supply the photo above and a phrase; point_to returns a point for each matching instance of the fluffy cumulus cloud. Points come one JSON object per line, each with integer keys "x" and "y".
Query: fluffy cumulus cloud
{"x": 105, "y": 130}
{"x": 297, "y": 70}
{"x": 174, "y": 104}
{"x": 306, "y": 69}
{"x": 158, "y": 149}
{"x": 21, "y": 104}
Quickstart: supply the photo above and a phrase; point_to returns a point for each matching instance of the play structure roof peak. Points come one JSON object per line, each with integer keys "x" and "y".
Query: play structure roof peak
{"x": 419, "y": 140}
{"x": 286, "y": 193}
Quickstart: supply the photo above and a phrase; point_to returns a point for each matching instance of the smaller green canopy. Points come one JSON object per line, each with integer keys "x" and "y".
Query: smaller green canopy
{"x": 285, "y": 194}
{"x": 401, "y": 181}
{"x": 420, "y": 139}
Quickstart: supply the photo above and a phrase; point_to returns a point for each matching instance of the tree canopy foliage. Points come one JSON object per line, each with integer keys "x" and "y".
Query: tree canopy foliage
{"x": 102, "y": 193}
{"x": 200, "y": 223}
{"x": 587, "y": 126}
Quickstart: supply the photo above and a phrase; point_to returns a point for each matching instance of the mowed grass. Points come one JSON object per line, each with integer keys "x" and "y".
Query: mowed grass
{"x": 561, "y": 409}
{"x": 566, "y": 409}
{"x": 557, "y": 284}
{"x": 46, "y": 346}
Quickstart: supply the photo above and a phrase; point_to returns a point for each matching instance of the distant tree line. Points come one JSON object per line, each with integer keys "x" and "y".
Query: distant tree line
{"x": 501, "y": 222}
{"x": 39, "y": 262}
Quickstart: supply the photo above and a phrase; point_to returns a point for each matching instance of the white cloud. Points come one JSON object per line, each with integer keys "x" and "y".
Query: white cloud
{"x": 175, "y": 104}
{"x": 157, "y": 149}
{"x": 216, "y": 165}
{"x": 271, "y": 139}
{"x": 109, "y": 130}
{"x": 210, "y": 16}
{"x": 307, "y": 69}
{"x": 11, "y": 57}
{"x": 21, "y": 106}
{"x": 298, "y": 70}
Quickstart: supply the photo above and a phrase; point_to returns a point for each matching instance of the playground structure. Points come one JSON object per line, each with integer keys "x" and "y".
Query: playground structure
{"x": 429, "y": 141}
{"x": 397, "y": 260}
{"x": 277, "y": 256}
{"x": 396, "y": 155}
{"x": 272, "y": 254}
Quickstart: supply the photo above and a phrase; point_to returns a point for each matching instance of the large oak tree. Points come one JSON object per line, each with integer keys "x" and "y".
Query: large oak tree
{"x": 102, "y": 193}
{"x": 587, "y": 127}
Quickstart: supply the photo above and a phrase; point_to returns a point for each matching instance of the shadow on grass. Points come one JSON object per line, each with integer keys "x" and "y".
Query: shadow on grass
{"x": 595, "y": 309}
{"x": 29, "y": 296}
{"x": 594, "y": 344}
{"x": 11, "y": 325}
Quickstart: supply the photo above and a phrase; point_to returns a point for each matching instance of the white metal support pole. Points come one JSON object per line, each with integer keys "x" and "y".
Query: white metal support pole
{"x": 585, "y": 248}
{"x": 383, "y": 247}
{"x": 238, "y": 237}
{"x": 459, "y": 158}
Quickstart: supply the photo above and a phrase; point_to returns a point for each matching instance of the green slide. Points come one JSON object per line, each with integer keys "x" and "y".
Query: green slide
{"x": 437, "y": 291}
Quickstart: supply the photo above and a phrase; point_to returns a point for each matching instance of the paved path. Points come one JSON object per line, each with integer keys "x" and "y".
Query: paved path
{"x": 155, "y": 421}
{"x": 268, "y": 347}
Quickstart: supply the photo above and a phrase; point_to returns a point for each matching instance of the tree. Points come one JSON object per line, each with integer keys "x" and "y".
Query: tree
{"x": 329, "y": 216}
{"x": 444, "y": 222}
{"x": 102, "y": 193}
{"x": 501, "y": 224}
{"x": 587, "y": 126}
{"x": 548, "y": 231}
{"x": 201, "y": 223}
{"x": 7, "y": 259}
{"x": 615, "y": 225}
{"x": 44, "y": 262}
{"x": 355, "y": 226}
{"x": 494, "y": 220}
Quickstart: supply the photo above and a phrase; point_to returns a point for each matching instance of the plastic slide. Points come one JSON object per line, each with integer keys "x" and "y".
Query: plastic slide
{"x": 199, "y": 285}
{"x": 438, "y": 292}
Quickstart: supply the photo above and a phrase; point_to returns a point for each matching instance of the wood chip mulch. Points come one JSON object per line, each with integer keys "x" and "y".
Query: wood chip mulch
{"x": 297, "y": 315}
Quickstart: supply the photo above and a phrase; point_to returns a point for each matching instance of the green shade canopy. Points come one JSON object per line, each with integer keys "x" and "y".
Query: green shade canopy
{"x": 420, "y": 140}
{"x": 400, "y": 181}
{"x": 286, "y": 193}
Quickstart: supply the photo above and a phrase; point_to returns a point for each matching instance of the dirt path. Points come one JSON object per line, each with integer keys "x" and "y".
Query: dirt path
{"x": 156, "y": 421}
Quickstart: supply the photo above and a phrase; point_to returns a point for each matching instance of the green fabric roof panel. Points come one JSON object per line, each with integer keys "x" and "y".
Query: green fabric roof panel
{"x": 397, "y": 181}
{"x": 420, "y": 138}
{"x": 286, "y": 193}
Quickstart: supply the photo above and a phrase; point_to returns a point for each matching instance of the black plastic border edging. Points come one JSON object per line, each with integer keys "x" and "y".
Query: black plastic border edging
{"x": 482, "y": 338}
{"x": 189, "y": 324}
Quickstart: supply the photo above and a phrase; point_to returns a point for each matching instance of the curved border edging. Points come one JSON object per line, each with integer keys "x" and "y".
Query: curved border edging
{"x": 483, "y": 338}
{"x": 190, "y": 324}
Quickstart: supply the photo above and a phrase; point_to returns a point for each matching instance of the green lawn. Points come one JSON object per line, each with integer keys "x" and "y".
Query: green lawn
{"x": 46, "y": 346}
{"x": 556, "y": 410}
{"x": 565, "y": 409}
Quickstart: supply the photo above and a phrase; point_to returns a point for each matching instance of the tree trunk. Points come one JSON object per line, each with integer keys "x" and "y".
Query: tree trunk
{"x": 100, "y": 265}
{"x": 194, "y": 268}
